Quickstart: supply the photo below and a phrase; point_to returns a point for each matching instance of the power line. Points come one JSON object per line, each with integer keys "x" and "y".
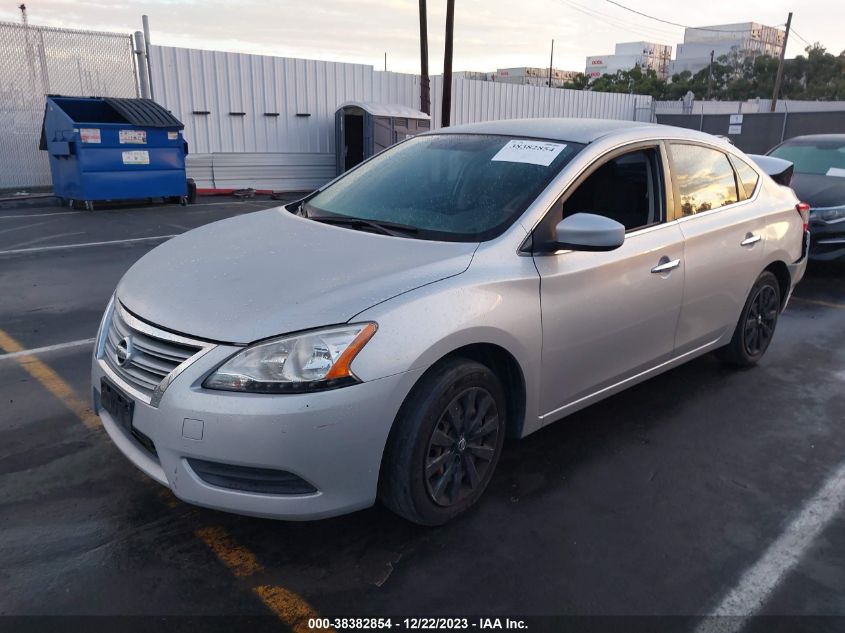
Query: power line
{"x": 647, "y": 31}
{"x": 796, "y": 34}
{"x": 618, "y": 21}
{"x": 683, "y": 26}
{"x": 645, "y": 15}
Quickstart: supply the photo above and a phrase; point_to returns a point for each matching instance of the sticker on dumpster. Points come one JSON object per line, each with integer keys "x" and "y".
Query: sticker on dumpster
{"x": 89, "y": 135}
{"x": 533, "y": 152}
{"x": 172, "y": 136}
{"x": 137, "y": 137}
{"x": 136, "y": 157}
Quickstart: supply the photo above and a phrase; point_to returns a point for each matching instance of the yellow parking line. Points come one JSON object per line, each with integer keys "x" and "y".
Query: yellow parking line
{"x": 240, "y": 561}
{"x": 817, "y": 302}
{"x": 288, "y": 607}
{"x": 51, "y": 381}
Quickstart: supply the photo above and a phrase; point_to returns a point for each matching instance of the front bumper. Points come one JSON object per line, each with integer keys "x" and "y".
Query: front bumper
{"x": 797, "y": 269}
{"x": 333, "y": 440}
{"x": 828, "y": 239}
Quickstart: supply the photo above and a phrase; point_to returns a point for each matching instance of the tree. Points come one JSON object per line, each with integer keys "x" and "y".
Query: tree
{"x": 579, "y": 82}
{"x": 737, "y": 76}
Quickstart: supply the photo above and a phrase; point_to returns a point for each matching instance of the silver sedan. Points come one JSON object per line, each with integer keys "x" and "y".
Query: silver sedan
{"x": 380, "y": 338}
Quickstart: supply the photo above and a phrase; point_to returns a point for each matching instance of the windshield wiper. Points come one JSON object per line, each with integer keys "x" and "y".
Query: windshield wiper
{"x": 384, "y": 228}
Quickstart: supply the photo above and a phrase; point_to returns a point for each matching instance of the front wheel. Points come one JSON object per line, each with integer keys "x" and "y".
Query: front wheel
{"x": 445, "y": 443}
{"x": 756, "y": 325}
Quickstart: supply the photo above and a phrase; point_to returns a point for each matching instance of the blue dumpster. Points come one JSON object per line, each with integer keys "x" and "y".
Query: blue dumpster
{"x": 104, "y": 148}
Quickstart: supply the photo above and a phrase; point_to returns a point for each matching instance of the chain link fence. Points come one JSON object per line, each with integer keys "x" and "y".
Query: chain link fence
{"x": 36, "y": 61}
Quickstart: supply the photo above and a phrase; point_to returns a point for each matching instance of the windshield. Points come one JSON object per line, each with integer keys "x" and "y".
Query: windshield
{"x": 456, "y": 187}
{"x": 825, "y": 157}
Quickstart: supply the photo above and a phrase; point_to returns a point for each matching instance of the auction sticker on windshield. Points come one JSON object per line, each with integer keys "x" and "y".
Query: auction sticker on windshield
{"x": 533, "y": 152}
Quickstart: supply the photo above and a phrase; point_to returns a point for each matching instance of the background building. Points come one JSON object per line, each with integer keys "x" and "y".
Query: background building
{"x": 474, "y": 75}
{"x": 646, "y": 55}
{"x": 744, "y": 40}
{"x": 535, "y": 76}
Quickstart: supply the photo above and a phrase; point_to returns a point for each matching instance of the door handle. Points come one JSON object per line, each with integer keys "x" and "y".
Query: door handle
{"x": 666, "y": 265}
{"x": 750, "y": 239}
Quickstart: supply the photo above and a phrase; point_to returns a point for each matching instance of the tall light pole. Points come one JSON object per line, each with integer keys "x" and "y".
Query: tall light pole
{"x": 425, "y": 84}
{"x": 445, "y": 114}
{"x": 551, "y": 63}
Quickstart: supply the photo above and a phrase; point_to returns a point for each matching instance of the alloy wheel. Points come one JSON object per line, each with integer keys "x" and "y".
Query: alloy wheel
{"x": 760, "y": 320}
{"x": 462, "y": 446}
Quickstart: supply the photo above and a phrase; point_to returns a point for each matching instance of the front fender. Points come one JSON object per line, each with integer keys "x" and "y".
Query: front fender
{"x": 419, "y": 328}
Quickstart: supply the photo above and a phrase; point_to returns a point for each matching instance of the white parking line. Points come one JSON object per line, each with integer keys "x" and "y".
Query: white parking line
{"x": 39, "y": 249}
{"x": 48, "y": 348}
{"x": 37, "y": 215}
{"x": 759, "y": 581}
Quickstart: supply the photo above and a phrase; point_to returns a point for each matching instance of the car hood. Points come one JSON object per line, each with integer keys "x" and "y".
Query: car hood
{"x": 268, "y": 273}
{"x": 818, "y": 190}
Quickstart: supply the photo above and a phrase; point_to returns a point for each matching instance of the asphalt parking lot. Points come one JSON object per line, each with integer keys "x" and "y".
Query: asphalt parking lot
{"x": 656, "y": 502}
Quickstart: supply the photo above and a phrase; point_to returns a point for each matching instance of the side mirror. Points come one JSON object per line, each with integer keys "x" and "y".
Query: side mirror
{"x": 589, "y": 232}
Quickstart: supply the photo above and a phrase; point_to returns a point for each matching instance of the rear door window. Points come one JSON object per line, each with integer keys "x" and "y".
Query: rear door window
{"x": 704, "y": 177}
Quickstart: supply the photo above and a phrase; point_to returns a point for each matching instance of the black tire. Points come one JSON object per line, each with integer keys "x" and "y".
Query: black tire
{"x": 192, "y": 191}
{"x": 756, "y": 326}
{"x": 461, "y": 402}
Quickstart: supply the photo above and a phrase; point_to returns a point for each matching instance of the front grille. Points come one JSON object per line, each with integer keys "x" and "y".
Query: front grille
{"x": 145, "y": 442}
{"x": 153, "y": 353}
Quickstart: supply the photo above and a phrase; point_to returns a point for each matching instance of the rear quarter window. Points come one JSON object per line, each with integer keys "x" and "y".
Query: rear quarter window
{"x": 746, "y": 175}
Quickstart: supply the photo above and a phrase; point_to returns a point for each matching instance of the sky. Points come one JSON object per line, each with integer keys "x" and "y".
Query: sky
{"x": 489, "y": 34}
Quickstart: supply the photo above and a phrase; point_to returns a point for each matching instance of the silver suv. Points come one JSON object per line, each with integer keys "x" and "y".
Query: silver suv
{"x": 380, "y": 338}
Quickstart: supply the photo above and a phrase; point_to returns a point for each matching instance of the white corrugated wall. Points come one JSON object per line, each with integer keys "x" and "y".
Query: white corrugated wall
{"x": 268, "y": 122}
{"x": 474, "y": 101}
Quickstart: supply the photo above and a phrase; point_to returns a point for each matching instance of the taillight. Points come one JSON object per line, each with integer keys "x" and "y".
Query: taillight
{"x": 804, "y": 211}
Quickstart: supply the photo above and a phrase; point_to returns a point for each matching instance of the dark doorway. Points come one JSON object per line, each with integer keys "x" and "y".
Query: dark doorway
{"x": 353, "y": 125}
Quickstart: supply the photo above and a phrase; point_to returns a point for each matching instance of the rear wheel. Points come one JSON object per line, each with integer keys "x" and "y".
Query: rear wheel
{"x": 756, "y": 325}
{"x": 445, "y": 443}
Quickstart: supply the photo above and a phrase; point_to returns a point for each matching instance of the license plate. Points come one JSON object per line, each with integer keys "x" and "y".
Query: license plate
{"x": 118, "y": 405}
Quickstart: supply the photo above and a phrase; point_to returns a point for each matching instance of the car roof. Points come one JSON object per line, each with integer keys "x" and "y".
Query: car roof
{"x": 574, "y": 130}
{"x": 816, "y": 137}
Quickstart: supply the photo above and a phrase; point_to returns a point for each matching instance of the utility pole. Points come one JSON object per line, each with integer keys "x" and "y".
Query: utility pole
{"x": 385, "y": 61}
{"x": 143, "y": 77}
{"x": 780, "y": 64}
{"x": 710, "y": 76}
{"x": 551, "y": 63}
{"x": 425, "y": 84}
{"x": 446, "y": 111}
{"x": 145, "y": 21}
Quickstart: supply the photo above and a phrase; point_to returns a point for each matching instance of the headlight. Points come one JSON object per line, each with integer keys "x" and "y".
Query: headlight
{"x": 310, "y": 361}
{"x": 103, "y": 330}
{"x": 831, "y": 214}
